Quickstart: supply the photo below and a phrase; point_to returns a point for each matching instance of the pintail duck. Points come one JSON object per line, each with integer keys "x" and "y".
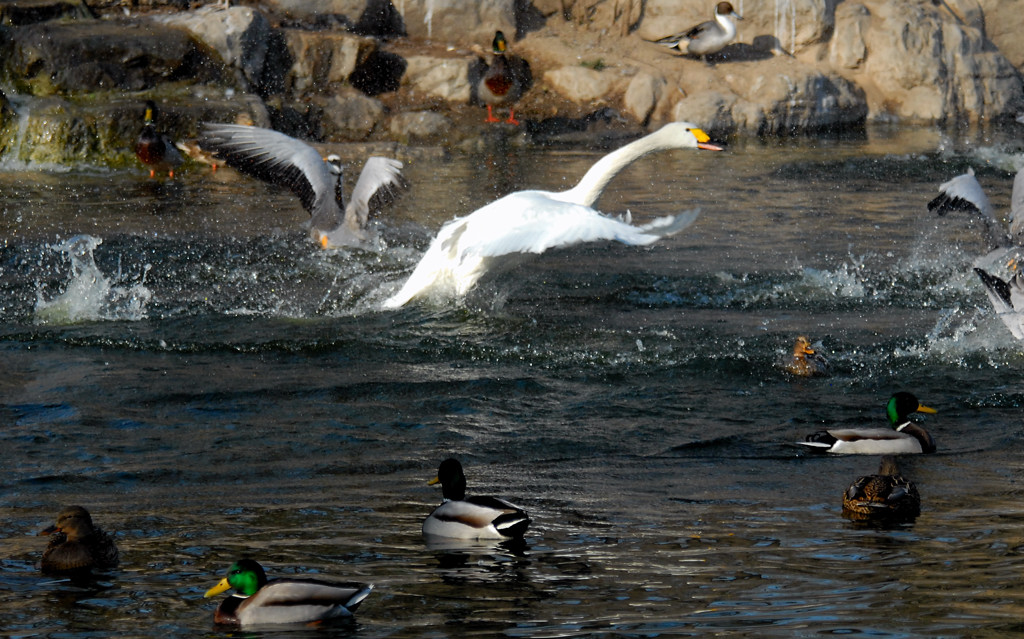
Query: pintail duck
{"x": 707, "y": 37}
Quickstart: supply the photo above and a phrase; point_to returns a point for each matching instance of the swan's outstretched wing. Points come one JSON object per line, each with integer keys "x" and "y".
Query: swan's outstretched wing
{"x": 962, "y": 193}
{"x": 378, "y": 184}
{"x": 274, "y": 157}
{"x": 1007, "y": 299}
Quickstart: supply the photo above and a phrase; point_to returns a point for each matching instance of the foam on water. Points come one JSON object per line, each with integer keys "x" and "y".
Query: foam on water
{"x": 89, "y": 295}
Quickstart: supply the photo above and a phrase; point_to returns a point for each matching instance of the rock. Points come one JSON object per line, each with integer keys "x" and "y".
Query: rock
{"x": 420, "y": 126}
{"x": 580, "y": 84}
{"x": 642, "y": 95}
{"x": 924, "y": 65}
{"x": 323, "y": 58}
{"x": 1004, "y": 22}
{"x": 25, "y": 12}
{"x": 103, "y": 131}
{"x": 445, "y": 78}
{"x": 350, "y": 115}
{"x": 848, "y": 50}
{"x": 618, "y": 16}
{"x": 238, "y": 34}
{"x": 458, "y": 21}
{"x": 98, "y": 55}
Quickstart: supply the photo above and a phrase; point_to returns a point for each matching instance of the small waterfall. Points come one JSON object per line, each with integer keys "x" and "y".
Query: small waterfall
{"x": 22, "y": 107}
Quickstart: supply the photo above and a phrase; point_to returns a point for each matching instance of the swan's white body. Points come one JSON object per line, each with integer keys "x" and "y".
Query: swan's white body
{"x": 526, "y": 222}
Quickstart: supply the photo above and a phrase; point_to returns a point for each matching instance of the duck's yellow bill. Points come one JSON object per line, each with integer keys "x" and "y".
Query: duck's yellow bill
{"x": 921, "y": 408}
{"x": 219, "y": 588}
{"x": 435, "y": 480}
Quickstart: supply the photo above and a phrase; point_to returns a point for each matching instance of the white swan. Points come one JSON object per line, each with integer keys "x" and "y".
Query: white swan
{"x": 963, "y": 193}
{"x": 525, "y": 222}
{"x": 279, "y": 159}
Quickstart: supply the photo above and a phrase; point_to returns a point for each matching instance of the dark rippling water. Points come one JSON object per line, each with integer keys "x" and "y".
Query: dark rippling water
{"x": 211, "y": 385}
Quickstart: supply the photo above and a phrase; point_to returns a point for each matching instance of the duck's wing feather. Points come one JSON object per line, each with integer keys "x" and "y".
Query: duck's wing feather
{"x": 273, "y": 157}
{"x": 379, "y": 184}
{"x": 962, "y": 193}
{"x": 673, "y": 40}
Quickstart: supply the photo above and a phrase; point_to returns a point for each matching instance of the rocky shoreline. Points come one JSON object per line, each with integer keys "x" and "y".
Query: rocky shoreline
{"x": 75, "y": 73}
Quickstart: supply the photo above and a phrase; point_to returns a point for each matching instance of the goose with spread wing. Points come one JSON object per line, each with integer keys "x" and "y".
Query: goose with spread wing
{"x": 964, "y": 193}
{"x": 280, "y": 159}
{"x": 532, "y": 222}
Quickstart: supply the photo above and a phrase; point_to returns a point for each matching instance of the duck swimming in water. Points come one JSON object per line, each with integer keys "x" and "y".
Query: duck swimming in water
{"x": 887, "y": 496}
{"x": 806, "y": 360}
{"x": 494, "y": 236}
{"x": 280, "y": 159}
{"x": 707, "y": 37}
{"x": 76, "y": 545}
{"x": 282, "y": 601}
{"x": 905, "y": 437}
{"x": 154, "y": 149}
{"x": 471, "y": 518}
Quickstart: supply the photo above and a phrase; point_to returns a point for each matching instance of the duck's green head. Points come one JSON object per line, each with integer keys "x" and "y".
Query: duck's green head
{"x": 452, "y": 480}
{"x": 246, "y": 576}
{"x": 901, "y": 405}
{"x": 499, "y": 44}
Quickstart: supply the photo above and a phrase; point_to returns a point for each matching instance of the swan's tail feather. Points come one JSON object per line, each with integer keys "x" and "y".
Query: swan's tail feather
{"x": 671, "y": 224}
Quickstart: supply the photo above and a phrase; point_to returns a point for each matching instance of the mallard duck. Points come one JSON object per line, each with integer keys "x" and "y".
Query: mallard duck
{"x": 707, "y": 37}
{"x": 905, "y": 437}
{"x": 887, "y": 496}
{"x": 258, "y": 601}
{"x": 504, "y": 81}
{"x": 76, "y": 545}
{"x": 963, "y": 193}
{"x": 806, "y": 361}
{"x": 461, "y": 517}
{"x": 280, "y": 159}
{"x": 155, "y": 149}
{"x": 525, "y": 222}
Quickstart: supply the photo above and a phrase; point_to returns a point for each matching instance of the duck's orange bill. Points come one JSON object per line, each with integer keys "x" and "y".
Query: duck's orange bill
{"x": 921, "y": 408}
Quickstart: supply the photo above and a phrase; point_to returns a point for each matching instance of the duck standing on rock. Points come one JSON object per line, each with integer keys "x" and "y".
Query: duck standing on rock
{"x": 155, "y": 149}
{"x": 259, "y": 601}
{"x": 504, "y": 81}
{"x": 471, "y": 518}
{"x": 707, "y": 37}
{"x": 887, "y": 496}
{"x": 76, "y": 545}
{"x": 274, "y": 157}
{"x": 905, "y": 437}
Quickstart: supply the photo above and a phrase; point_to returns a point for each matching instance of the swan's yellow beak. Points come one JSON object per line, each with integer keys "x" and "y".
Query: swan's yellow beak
{"x": 703, "y": 140}
{"x": 219, "y": 588}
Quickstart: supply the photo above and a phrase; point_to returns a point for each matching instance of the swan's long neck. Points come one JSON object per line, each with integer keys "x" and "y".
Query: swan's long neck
{"x": 596, "y": 179}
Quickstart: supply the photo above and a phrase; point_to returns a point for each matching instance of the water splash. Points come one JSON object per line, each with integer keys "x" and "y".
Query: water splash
{"x": 89, "y": 295}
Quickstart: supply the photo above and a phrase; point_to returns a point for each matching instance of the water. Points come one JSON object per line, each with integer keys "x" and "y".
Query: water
{"x": 180, "y": 359}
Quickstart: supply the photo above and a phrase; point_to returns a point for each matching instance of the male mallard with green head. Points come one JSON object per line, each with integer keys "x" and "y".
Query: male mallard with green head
{"x": 905, "y": 437}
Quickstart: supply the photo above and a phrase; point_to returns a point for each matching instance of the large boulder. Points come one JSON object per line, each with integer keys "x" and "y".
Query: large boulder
{"x": 458, "y": 21}
{"x": 98, "y": 55}
{"x": 238, "y": 34}
{"x": 321, "y": 59}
